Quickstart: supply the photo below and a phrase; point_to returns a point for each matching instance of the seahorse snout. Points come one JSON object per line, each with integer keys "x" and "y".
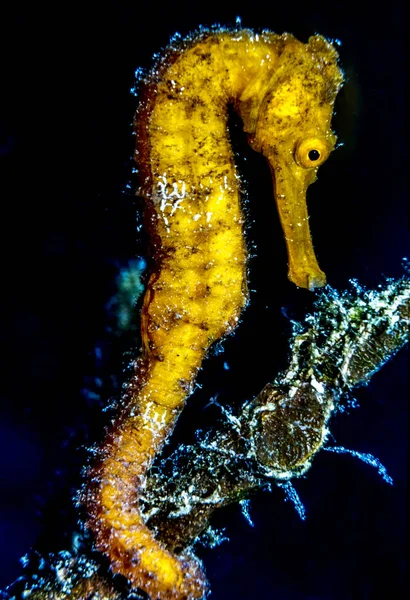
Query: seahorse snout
{"x": 308, "y": 278}
{"x": 290, "y": 185}
{"x": 316, "y": 280}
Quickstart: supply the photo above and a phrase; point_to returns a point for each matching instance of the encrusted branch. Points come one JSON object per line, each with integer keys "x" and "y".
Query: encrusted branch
{"x": 275, "y": 437}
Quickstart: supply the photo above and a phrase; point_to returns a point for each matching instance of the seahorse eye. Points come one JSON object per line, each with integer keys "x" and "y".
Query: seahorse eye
{"x": 314, "y": 155}
{"x": 311, "y": 152}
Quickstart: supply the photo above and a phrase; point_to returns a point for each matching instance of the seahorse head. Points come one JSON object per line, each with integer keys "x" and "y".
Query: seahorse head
{"x": 292, "y": 129}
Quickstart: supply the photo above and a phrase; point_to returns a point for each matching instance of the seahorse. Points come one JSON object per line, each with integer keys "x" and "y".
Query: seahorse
{"x": 284, "y": 92}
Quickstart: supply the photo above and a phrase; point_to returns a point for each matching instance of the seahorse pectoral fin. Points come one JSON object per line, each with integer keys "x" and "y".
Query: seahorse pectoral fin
{"x": 290, "y": 186}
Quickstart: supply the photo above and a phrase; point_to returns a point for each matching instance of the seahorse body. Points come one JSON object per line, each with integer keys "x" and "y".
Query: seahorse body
{"x": 284, "y": 91}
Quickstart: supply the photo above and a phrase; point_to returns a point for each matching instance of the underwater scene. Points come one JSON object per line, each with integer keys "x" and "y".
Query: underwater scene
{"x": 206, "y": 302}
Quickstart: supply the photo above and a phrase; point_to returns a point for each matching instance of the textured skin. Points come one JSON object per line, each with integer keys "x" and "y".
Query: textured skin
{"x": 284, "y": 92}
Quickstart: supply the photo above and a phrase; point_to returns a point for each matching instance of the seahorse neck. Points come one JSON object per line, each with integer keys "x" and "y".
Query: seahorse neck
{"x": 250, "y": 60}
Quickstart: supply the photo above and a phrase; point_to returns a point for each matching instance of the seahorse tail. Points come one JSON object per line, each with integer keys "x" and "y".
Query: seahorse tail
{"x": 116, "y": 520}
{"x": 184, "y": 312}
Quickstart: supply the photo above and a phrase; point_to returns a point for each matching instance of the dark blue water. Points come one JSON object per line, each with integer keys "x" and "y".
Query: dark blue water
{"x": 69, "y": 223}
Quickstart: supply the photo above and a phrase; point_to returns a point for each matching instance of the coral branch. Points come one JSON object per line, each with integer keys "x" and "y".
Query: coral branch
{"x": 350, "y": 336}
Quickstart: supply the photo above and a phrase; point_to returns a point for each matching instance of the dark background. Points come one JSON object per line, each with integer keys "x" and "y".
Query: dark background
{"x": 69, "y": 224}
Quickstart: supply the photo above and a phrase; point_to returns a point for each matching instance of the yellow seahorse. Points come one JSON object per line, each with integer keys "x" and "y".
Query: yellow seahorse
{"x": 284, "y": 92}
